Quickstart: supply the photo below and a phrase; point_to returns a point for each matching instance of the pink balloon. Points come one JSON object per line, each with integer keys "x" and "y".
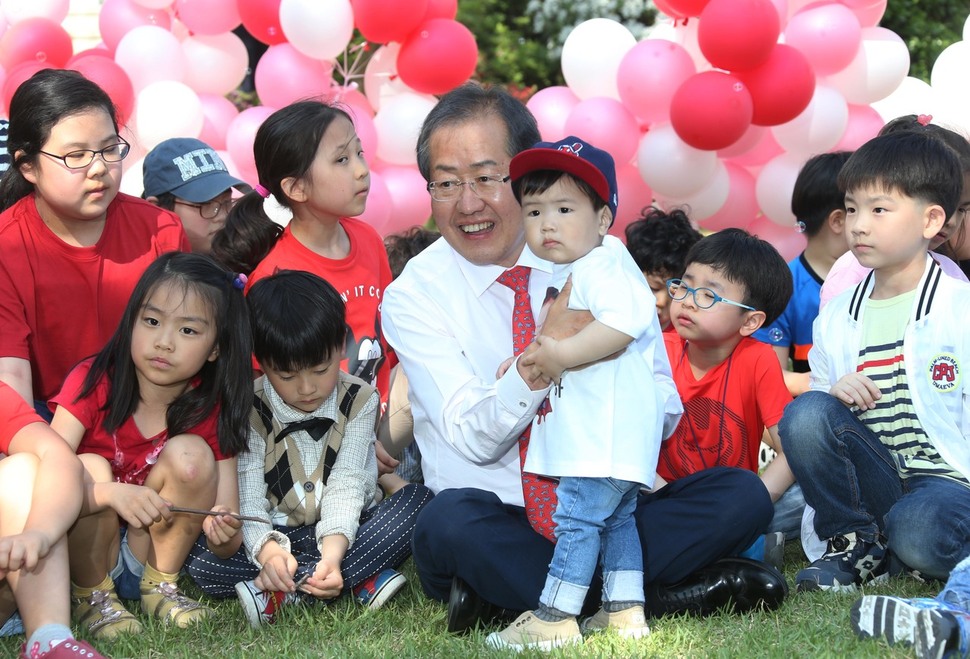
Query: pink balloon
{"x": 828, "y": 35}
{"x": 751, "y": 138}
{"x": 285, "y": 75}
{"x": 711, "y": 110}
{"x": 14, "y": 11}
{"x": 111, "y": 78}
{"x": 551, "y": 107}
{"x": 634, "y": 195}
{"x": 261, "y": 18}
{"x": 150, "y": 54}
{"x": 864, "y": 124}
{"x": 781, "y": 87}
{"x": 366, "y": 131}
{"x": 379, "y": 207}
{"x": 16, "y": 77}
{"x": 35, "y": 40}
{"x": 441, "y": 9}
{"x": 738, "y": 35}
{"x": 437, "y": 56}
{"x": 607, "y": 124}
{"x": 870, "y": 14}
{"x": 764, "y": 148}
{"x": 98, "y": 51}
{"x": 216, "y": 64}
{"x": 382, "y": 21}
{"x": 787, "y": 240}
{"x": 118, "y": 17}
{"x": 219, "y": 112}
{"x": 241, "y": 134}
{"x": 352, "y": 98}
{"x": 649, "y": 74}
{"x": 410, "y": 200}
{"x": 741, "y": 206}
{"x": 208, "y": 16}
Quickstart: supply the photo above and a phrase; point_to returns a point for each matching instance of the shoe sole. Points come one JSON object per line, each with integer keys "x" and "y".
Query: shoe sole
{"x": 496, "y": 642}
{"x": 387, "y": 590}
{"x": 879, "y": 616}
{"x": 632, "y": 633}
{"x": 249, "y": 605}
{"x": 937, "y": 635}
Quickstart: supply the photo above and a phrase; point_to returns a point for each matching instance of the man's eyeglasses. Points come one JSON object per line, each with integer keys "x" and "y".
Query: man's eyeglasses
{"x": 83, "y": 157}
{"x": 485, "y": 186}
{"x": 704, "y": 298}
{"x": 210, "y": 209}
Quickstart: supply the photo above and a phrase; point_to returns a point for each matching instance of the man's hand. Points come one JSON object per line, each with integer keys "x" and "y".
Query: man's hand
{"x": 562, "y": 322}
{"x": 858, "y": 390}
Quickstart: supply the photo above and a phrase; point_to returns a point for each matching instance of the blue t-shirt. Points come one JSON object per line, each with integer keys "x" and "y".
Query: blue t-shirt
{"x": 793, "y": 328}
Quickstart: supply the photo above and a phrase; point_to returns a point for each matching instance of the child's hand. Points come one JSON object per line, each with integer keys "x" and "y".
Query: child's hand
{"x": 546, "y": 358}
{"x": 858, "y": 390}
{"x": 138, "y": 505}
{"x": 385, "y": 463}
{"x": 22, "y": 551}
{"x": 326, "y": 581}
{"x": 528, "y": 371}
{"x": 277, "y": 573}
{"x": 220, "y": 529}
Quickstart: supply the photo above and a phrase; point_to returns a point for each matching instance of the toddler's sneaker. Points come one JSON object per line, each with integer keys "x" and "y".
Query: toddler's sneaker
{"x": 68, "y": 649}
{"x": 892, "y": 618}
{"x": 530, "y": 632}
{"x": 166, "y": 603}
{"x": 628, "y": 623}
{"x": 375, "y": 591}
{"x": 260, "y": 606}
{"x": 942, "y": 633}
{"x": 847, "y": 563}
{"x": 103, "y": 615}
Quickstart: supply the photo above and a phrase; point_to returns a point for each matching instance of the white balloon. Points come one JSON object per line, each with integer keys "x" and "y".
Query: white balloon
{"x": 877, "y": 69}
{"x": 819, "y": 127}
{"x": 591, "y": 56}
{"x": 153, "y": 4}
{"x": 949, "y": 75}
{"x": 132, "y": 182}
{"x": 217, "y": 63}
{"x": 398, "y": 123}
{"x": 774, "y": 186}
{"x": 320, "y": 29}
{"x": 913, "y": 96}
{"x": 708, "y": 200}
{"x": 966, "y": 29}
{"x": 17, "y": 10}
{"x": 670, "y": 167}
{"x": 149, "y": 54}
{"x": 380, "y": 77}
{"x": 167, "y": 109}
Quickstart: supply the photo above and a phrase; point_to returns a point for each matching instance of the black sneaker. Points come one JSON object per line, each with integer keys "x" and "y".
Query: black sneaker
{"x": 849, "y": 562}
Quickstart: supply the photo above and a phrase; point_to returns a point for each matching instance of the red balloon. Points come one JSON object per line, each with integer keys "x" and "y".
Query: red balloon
{"x": 383, "y": 21}
{"x": 711, "y": 110}
{"x": 441, "y": 9}
{"x": 781, "y": 87}
{"x": 112, "y": 79}
{"x": 261, "y": 18}
{"x": 684, "y": 8}
{"x": 35, "y": 40}
{"x": 16, "y": 77}
{"x": 438, "y": 56}
{"x": 738, "y": 35}
{"x": 664, "y": 7}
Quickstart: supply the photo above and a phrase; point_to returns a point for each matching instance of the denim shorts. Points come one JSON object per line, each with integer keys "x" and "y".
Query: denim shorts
{"x": 127, "y": 572}
{"x": 13, "y": 626}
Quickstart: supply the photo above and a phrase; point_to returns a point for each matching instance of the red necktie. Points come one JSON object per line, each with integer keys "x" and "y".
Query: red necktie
{"x": 539, "y": 492}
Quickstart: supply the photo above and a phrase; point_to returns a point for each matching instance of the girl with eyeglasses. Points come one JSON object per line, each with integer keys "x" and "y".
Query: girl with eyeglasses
{"x": 73, "y": 247}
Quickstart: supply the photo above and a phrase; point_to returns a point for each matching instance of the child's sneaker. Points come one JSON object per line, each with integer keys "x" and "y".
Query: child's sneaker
{"x": 67, "y": 649}
{"x": 942, "y": 634}
{"x": 103, "y": 615}
{"x": 375, "y": 591}
{"x": 260, "y": 606}
{"x": 166, "y": 603}
{"x": 892, "y": 618}
{"x": 530, "y": 632}
{"x": 628, "y": 623}
{"x": 847, "y": 563}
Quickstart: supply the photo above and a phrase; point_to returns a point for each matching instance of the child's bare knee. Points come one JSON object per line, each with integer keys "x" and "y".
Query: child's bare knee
{"x": 188, "y": 459}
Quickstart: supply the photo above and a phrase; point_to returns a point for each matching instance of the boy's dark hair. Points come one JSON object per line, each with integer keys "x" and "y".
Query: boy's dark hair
{"x": 224, "y": 384}
{"x": 166, "y": 200}
{"x": 402, "y": 247}
{"x": 954, "y": 140}
{"x": 36, "y": 107}
{"x": 914, "y": 163}
{"x": 750, "y": 262}
{"x": 540, "y": 180}
{"x": 659, "y": 241}
{"x": 816, "y": 192}
{"x": 298, "y": 320}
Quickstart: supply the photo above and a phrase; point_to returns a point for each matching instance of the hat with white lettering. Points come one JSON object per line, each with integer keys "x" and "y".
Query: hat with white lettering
{"x": 188, "y": 168}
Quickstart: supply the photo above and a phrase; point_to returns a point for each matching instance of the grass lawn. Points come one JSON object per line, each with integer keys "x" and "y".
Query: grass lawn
{"x": 410, "y": 625}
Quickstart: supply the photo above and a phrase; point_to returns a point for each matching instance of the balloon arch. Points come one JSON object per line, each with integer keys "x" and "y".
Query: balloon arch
{"x": 716, "y": 110}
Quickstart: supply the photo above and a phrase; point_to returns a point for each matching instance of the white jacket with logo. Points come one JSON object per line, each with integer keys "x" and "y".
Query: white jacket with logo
{"x": 936, "y": 350}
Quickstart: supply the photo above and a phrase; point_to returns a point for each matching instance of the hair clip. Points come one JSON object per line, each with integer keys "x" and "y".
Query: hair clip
{"x": 800, "y": 227}
{"x": 239, "y": 281}
{"x": 261, "y": 190}
{"x": 924, "y": 119}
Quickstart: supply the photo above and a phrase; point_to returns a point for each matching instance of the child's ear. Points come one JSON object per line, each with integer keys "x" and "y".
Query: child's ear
{"x": 26, "y": 169}
{"x": 753, "y": 320}
{"x": 214, "y": 355}
{"x": 294, "y": 189}
{"x": 605, "y": 220}
{"x": 836, "y": 221}
{"x": 934, "y": 217}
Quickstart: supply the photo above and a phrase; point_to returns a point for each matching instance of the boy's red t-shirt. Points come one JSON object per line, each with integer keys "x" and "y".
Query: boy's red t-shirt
{"x": 360, "y": 278}
{"x": 15, "y": 413}
{"x": 725, "y": 412}
{"x": 130, "y": 453}
{"x": 60, "y": 303}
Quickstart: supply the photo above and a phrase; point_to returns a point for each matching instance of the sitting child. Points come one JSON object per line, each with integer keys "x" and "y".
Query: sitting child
{"x": 310, "y": 470}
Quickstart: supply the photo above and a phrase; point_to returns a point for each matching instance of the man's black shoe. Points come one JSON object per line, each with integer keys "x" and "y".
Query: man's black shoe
{"x": 733, "y": 584}
{"x": 466, "y": 609}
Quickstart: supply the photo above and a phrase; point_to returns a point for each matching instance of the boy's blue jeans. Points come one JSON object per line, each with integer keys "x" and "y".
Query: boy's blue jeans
{"x": 852, "y": 481}
{"x": 594, "y": 518}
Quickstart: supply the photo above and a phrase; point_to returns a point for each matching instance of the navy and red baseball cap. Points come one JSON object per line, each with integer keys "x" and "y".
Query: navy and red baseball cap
{"x": 573, "y": 156}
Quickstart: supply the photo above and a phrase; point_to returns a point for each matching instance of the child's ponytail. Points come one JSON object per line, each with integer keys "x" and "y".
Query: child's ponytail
{"x": 247, "y": 236}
